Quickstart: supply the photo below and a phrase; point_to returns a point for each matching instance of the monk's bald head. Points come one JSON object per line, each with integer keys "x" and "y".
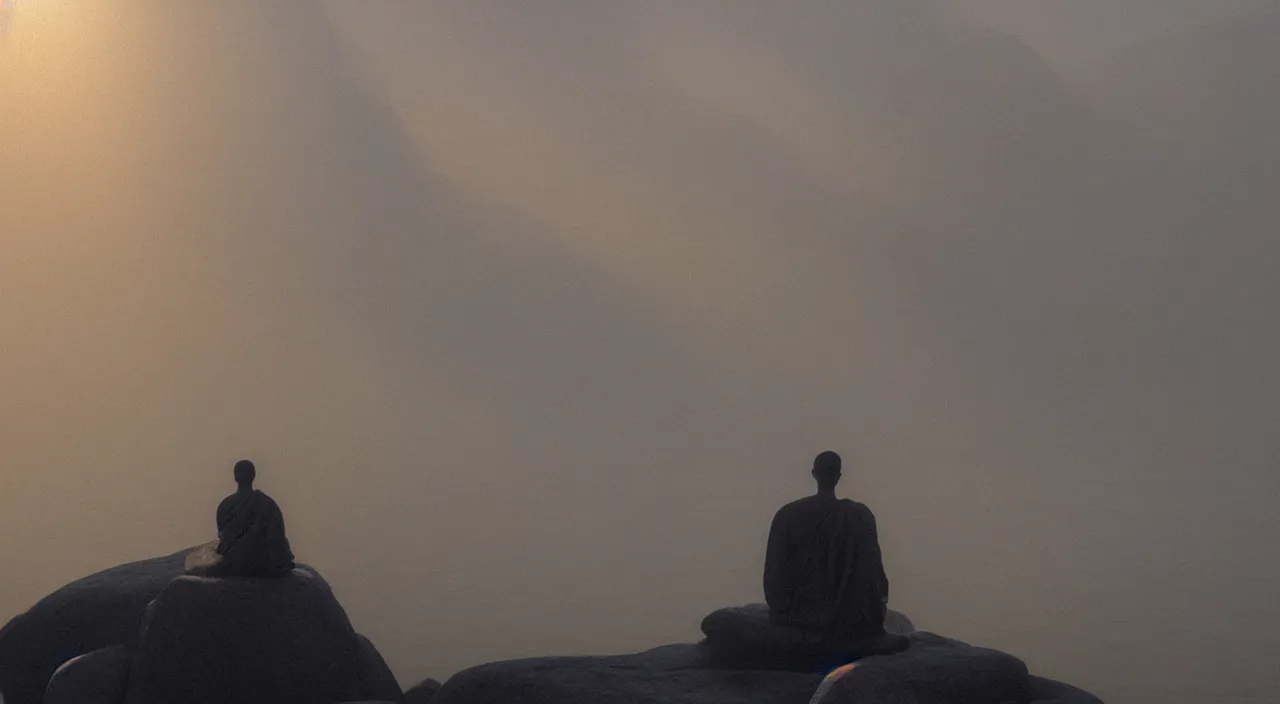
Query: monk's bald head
{"x": 826, "y": 468}
{"x": 245, "y": 473}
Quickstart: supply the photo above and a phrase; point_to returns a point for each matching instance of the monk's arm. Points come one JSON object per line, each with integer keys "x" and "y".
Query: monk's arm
{"x": 224, "y": 513}
{"x": 777, "y": 590}
{"x": 882, "y": 579}
{"x": 872, "y": 569}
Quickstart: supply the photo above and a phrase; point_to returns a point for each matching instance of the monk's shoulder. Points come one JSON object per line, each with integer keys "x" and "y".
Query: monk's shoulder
{"x": 793, "y": 510}
{"x": 798, "y": 506}
{"x": 861, "y": 510}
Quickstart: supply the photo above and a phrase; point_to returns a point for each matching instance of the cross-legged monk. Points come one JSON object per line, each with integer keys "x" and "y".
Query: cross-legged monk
{"x": 823, "y": 572}
{"x": 251, "y": 537}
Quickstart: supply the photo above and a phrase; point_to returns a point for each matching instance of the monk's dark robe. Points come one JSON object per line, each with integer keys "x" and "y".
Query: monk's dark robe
{"x": 823, "y": 571}
{"x": 251, "y": 540}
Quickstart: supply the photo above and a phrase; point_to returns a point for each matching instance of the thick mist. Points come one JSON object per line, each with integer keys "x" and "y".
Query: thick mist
{"x": 532, "y": 314}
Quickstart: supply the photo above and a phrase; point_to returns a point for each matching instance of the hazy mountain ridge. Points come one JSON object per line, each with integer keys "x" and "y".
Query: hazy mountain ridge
{"x": 1209, "y": 91}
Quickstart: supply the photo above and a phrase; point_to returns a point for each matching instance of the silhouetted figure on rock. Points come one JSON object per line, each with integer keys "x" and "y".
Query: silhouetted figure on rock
{"x": 825, "y": 586}
{"x": 823, "y": 571}
{"x": 251, "y": 538}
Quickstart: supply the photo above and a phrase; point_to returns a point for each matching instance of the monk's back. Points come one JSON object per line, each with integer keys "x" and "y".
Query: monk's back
{"x": 823, "y": 570}
{"x": 820, "y": 534}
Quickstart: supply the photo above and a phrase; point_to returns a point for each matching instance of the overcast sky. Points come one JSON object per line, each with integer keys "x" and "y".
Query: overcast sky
{"x": 533, "y": 313}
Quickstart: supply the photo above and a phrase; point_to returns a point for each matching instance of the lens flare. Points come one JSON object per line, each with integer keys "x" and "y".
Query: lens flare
{"x": 830, "y": 680}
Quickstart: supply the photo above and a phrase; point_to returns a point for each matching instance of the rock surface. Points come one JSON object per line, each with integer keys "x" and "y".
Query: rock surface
{"x": 1047, "y": 691}
{"x": 100, "y": 677}
{"x": 685, "y": 674}
{"x": 674, "y": 674}
{"x": 422, "y": 692}
{"x": 377, "y": 682}
{"x": 94, "y": 612}
{"x": 98, "y": 611}
{"x": 898, "y": 623}
{"x": 224, "y": 641}
{"x": 935, "y": 670}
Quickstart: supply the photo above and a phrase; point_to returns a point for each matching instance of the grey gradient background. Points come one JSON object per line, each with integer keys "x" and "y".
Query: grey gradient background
{"x": 533, "y": 313}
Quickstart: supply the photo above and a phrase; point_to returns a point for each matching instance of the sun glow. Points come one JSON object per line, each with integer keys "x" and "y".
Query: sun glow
{"x": 46, "y": 19}
{"x": 49, "y": 49}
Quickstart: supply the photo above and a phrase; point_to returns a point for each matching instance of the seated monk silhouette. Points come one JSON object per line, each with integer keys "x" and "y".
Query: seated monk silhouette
{"x": 825, "y": 588}
{"x": 251, "y": 539}
{"x": 823, "y": 572}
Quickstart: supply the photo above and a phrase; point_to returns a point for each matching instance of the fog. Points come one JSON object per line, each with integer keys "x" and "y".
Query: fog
{"x": 531, "y": 314}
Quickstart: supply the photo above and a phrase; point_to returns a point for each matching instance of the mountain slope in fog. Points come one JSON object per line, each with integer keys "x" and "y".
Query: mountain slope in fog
{"x": 1210, "y": 91}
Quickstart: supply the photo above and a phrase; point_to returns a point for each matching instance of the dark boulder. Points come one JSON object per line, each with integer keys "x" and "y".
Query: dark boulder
{"x": 934, "y": 670}
{"x": 100, "y": 677}
{"x": 674, "y": 674}
{"x": 376, "y": 679}
{"x": 94, "y": 612}
{"x": 897, "y": 622}
{"x": 98, "y": 611}
{"x": 422, "y": 692}
{"x": 687, "y": 674}
{"x": 231, "y": 641}
{"x": 1047, "y": 691}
